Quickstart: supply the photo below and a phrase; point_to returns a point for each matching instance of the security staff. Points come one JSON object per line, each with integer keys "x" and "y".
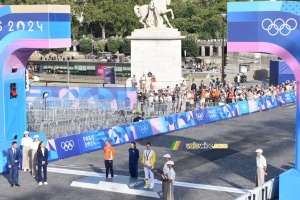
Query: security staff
{"x": 134, "y": 156}
{"x": 148, "y": 160}
{"x": 169, "y": 191}
{"x": 261, "y": 170}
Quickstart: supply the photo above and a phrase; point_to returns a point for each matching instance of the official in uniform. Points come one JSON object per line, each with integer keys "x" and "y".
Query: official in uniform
{"x": 134, "y": 156}
{"x": 109, "y": 154}
{"x": 148, "y": 160}
{"x": 14, "y": 156}
{"x": 166, "y": 170}
{"x": 261, "y": 164}
{"x": 168, "y": 193}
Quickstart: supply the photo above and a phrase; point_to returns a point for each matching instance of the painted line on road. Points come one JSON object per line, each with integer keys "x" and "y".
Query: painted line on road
{"x": 176, "y": 183}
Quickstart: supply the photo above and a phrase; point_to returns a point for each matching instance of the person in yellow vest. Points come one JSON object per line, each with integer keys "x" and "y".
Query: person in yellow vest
{"x": 109, "y": 154}
{"x": 148, "y": 160}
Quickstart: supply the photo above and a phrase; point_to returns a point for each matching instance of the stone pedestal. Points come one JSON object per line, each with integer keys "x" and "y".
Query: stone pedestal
{"x": 156, "y": 50}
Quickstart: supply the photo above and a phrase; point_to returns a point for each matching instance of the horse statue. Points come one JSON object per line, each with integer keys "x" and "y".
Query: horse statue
{"x": 153, "y": 13}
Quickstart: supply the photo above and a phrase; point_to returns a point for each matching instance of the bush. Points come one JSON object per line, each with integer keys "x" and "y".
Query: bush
{"x": 125, "y": 47}
{"x": 191, "y": 46}
{"x": 85, "y": 46}
{"x": 113, "y": 44}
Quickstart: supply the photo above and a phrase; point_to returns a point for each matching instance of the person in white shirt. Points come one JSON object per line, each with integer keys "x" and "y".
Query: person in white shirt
{"x": 171, "y": 178}
{"x": 164, "y": 174}
{"x": 26, "y": 144}
{"x": 261, "y": 165}
{"x": 33, "y": 157}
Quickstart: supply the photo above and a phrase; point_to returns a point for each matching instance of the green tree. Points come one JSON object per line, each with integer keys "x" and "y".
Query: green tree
{"x": 113, "y": 44}
{"x": 85, "y": 46}
{"x": 59, "y": 50}
{"x": 125, "y": 46}
{"x": 100, "y": 46}
{"x": 190, "y": 45}
{"x": 44, "y": 51}
{"x": 99, "y": 12}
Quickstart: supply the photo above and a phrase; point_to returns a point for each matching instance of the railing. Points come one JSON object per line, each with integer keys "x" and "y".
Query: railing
{"x": 268, "y": 190}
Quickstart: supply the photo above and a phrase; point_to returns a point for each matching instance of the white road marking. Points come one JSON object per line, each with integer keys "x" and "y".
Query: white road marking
{"x": 294, "y": 106}
{"x": 177, "y": 183}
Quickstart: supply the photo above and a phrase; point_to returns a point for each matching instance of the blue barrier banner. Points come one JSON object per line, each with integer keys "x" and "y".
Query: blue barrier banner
{"x": 253, "y": 106}
{"x": 243, "y": 107}
{"x": 183, "y": 120}
{"x": 231, "y": 109}
{"x": 199, "y": 116}
{"x": 159, "y": 125}
{"x": 287, "y": 98}
{"x": 171, "y": 119}
{"x": 89, "y": 142}
{"x": 124, "y": 133}
{"x": 280, "y": 100}
{"x": 293, "y": 96}
{"x": 212, "y": 114}
{"x": 143, "y": 129}
{"x": 104, "y": 135}
{"x": 262, "y": 103}
{"x": 271, "y": 102}
{"x": 67, "y": 146}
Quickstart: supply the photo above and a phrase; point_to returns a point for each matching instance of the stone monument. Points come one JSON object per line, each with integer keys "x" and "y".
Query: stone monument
{"x": 156, "y": 49}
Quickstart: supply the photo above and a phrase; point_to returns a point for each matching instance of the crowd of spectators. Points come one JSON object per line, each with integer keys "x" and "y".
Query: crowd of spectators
{"x": 185, "y": 97}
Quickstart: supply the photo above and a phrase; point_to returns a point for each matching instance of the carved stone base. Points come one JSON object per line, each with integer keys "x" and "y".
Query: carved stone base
{"x": 156, "y": 50}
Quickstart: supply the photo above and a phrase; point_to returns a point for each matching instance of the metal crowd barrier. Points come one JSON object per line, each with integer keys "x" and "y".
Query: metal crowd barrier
{"x": 269, "y": 190}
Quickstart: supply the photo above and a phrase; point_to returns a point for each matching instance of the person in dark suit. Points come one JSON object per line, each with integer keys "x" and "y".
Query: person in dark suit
{"x": 42, "y": 159}
{"x": 13, "y": 159}
{"x": 134, "y": 156}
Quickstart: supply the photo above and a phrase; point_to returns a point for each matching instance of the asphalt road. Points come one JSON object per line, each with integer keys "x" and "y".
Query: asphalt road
{"x": 272, "y": 130}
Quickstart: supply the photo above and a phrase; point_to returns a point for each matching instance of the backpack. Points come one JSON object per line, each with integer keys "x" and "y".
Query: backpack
{"x": 235, "y": 79}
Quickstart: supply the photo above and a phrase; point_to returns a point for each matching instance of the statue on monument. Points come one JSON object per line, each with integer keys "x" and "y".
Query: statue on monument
{"x": 154, "y": 13}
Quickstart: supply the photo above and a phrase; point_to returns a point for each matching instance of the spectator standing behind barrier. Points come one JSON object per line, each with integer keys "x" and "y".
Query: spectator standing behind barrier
{"x": 261, "y": 170}
{"x": 148, "y": 160}
{"x": 26, "y": 144}
{"x": 133, "y": 81}
{"x": 134, "y": 156}
{"x": 109, "y": 154}
{"x": 14, "y": 156}
{"x": 33, "y": 156}
{"x": 42, "y": 158}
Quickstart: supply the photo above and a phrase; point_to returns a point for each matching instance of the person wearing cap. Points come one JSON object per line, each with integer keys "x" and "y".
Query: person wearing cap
{"x": 148, "y": 160}
{"x": 134, "y": 156}
{"x": 33, "y": 156}
{"x": 169, "y": 195}
{"x": 261, "y": 170}
{"x": 26, "y": 144}
{"x": 166, "y": 170}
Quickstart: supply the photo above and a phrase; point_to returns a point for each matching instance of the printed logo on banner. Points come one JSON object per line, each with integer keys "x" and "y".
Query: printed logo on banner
{"x": 89, "y": 141}
{"x": 67, "y": 146}
{"x": 243, "y": 107}
{"x": 199, "y": 116}
{"x": 182, "y": 120}
{"x": 211, "y": 114}
{"x": 143, "y": 129}
{"x": 159, "y": 125}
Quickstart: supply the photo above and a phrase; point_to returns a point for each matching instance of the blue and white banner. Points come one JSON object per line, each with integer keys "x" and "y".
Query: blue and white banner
{"x": 89, "y": 141}
{"x": 67, "y": 146}
{"x": 143, "y": 129}
{"x": 199, "y": 117}
{"x": 243, "y": 107}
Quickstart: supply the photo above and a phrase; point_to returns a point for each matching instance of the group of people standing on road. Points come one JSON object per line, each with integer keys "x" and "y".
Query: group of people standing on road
{"x": 33, "y": 154}
{"x": 148, "y": 160}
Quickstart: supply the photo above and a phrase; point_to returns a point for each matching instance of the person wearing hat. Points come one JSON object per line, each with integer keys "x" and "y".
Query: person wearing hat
{"x": 148, "y": 160}
{"x": 33, "y": 156}
{"x": 261, "y": 164}
{"x": 166, "y": 170}
{"x": 26, "y": 144}
{"x": 169, "y": 194}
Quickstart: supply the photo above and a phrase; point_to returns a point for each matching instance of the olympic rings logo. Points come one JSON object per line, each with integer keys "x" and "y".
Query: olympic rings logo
{"x": 279, "y": 26}
{"x": 67, "y": 145}
{"x": 199, "y": 116}
{"x": 144, "y": 128}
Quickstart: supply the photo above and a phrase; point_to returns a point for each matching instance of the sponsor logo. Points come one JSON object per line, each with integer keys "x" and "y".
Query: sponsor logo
{"x": 199, "y": 116}
{"x": 279, "y": 26}
{"x": 67, "y": 145}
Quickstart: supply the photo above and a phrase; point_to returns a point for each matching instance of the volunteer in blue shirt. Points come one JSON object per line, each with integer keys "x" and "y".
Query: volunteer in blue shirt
{"x": 134, "y": 156}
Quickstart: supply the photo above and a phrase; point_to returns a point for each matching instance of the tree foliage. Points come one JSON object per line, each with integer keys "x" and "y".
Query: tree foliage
{"x": 125, "y": 46}
{"x": 190, "y": 45}
{"x": 114, "y": 44}
{"x": 100, "y": 46}
{"x": 85, "y": 46}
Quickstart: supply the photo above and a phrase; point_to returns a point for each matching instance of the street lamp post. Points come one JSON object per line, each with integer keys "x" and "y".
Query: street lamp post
{"x": 223, "y": 15}
{"x": 92, "y": 43}
{"x": 45, "y": 96}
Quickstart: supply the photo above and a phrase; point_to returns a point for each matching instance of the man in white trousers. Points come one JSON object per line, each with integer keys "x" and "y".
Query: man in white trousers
{"x": 261, "y": 170}
{"x": 148, "y": 160}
